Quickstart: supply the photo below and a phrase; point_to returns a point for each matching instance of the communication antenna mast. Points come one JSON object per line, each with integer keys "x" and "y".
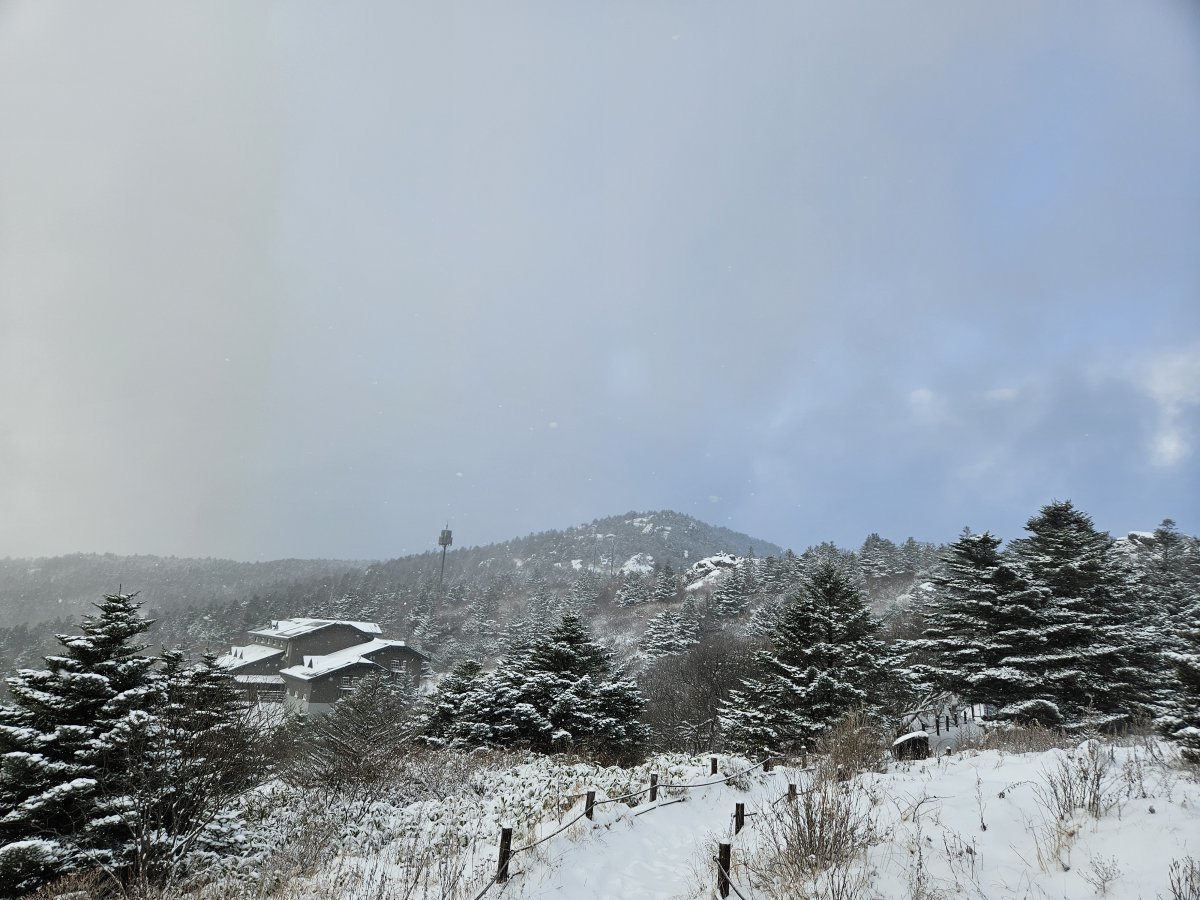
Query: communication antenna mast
{"x": 445, "y": 539}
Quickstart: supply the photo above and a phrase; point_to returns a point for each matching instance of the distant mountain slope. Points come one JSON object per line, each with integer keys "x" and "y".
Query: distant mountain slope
{"x": 603, "y": 546}
{"x": 665, "y": 536}
{"x": 38, "y": 590}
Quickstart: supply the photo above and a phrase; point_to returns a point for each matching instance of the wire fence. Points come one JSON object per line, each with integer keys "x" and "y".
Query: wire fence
{"x": 507, "y": 852}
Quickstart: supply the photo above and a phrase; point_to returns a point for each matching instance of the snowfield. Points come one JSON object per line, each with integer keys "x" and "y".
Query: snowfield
{"x": 1100, "y": 819}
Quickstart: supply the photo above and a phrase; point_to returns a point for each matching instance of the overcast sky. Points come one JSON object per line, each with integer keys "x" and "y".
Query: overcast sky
{"x": 314, "y": 279}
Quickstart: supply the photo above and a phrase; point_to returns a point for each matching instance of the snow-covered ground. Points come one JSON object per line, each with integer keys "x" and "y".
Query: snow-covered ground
{"x": 977, "y": 824}
{"x": 1097, "y": 820}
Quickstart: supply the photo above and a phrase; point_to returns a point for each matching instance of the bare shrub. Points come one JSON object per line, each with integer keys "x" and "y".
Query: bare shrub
{"x": 1022, "y": 739}
{"x": 424, "y": 867}
{"x": 1185, "y": 879}
{"x": 854, "y": 745}
{"x": 808, "y": 846}
{"x": 1078, "y": 780}
{"x": 314, "y": 859}
{"x": 89, "y": 885}
{"x": 1101, "y": 873}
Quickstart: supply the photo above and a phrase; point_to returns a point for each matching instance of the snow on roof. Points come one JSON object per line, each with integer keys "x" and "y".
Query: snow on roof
{"x": 316, "y": 666}
{"x": 290, "y": 628}
{"x": 258, "y": 679}
{"x": 240, "y": 656}
{"x": 911, "y": 736}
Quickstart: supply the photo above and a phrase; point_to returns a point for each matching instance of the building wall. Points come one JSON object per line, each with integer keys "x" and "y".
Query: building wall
{"x": 408, "y": 658}
{"x": 329, "y": 688}
{"x": 262, "y": 693}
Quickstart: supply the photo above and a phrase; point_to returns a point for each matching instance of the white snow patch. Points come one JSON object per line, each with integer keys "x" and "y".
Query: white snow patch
{"x": 638, "y": 564}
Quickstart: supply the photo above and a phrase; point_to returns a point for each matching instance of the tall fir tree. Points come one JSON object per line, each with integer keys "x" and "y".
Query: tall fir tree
{"x": 666, "y": 586}
{"x": 1169, "y": 571}
{"x": 446, "y": 709}
{"x": 878, "y": 556}
{"x": 1101, "y": 660}
{"x": 730, "y": 598}
{"x": 826, "y": 660}
{"x": 62, "y": 742}
{"x": 669, "y": 632}
{"x": 1180, "y": 720}
{"x": 562, "y": 692}
{"x": 634, "y": 590}
{"x": 195, "y": 754}
{"x": 984, "y": 633}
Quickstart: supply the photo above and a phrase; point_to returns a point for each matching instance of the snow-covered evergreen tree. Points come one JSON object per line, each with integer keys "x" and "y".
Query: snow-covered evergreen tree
{"x": 109, "y": 762}
{"x": 666, "y": 586}
{"x": 983, "y": 633}
{"x": 585, "y": 590}
{"x": 446, "y": 709}
{"x": 194, "y": 755}
{"x": 1181, "y": 718}
{"x": 633, "y": 591}
{"x": 62, "y": 740}
{"x": 669, "y": 632}
{"x": 730, "y": 598}
{"x": 1101, "y": 660}
{"x": 561, "y": 692}
{"x": 879, "y": 557}
{"x": 765, "y": 617}
{"x": 825, "y": 661}
{"x": 771, "y": 577}
{"x": 1169, "y": 579}
{"x": 352, "y": 747}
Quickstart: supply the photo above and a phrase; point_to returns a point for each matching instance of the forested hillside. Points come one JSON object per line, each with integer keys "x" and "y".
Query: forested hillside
{"x": 198, "y": 602}
{"x": 1056, "y": 635}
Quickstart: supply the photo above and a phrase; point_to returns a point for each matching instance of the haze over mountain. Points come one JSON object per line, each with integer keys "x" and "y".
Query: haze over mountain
{"x": 308, "y": 281}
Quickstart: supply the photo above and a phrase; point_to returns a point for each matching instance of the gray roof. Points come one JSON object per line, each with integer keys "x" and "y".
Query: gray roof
{"x": 241, "y": 656}
{"x": 316, "y": 666}
{"x": 290, "y": 628}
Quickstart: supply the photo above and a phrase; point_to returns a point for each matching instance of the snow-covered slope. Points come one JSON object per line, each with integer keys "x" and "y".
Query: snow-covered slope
{"x": 1098, "y": 819}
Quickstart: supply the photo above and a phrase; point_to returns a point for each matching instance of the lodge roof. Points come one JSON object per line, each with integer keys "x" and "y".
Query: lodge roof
{"x": 290, "y": 628}
{"x": 316, "y": 666}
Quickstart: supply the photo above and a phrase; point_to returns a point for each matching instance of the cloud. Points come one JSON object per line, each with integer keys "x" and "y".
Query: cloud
{"x": 1168, "y": 448}
{"x": 927, "y": 407}
{"x": 1172, "y": 380}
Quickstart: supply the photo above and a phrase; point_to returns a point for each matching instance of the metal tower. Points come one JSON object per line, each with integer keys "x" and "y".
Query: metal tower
{"x": 445, "y": 539}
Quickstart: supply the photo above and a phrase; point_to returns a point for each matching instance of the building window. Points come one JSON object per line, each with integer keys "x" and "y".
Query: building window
{"x": 398, "y": 666}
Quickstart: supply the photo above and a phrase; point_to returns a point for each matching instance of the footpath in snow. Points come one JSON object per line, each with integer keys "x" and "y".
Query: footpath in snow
{"x": 1098, "y": 820}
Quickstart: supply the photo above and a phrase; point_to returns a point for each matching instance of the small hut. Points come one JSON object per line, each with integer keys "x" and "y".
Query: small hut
{"x": 914, "y": 745}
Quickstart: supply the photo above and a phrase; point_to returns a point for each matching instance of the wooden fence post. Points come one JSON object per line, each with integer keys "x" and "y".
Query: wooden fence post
{"x": 792, "y": 792}
{"x": 724, "y": 853}
{"x": 712, "y": 765}
{"x": 739, "y": 817}
{"x": 505, "y": 854}
{"x": 947, "y": 724}
{"x": 589, "y": 804}
{"x": 937, "y": 723}
{"x": 767, "y": 764}
{"x": 653, "y": 786}
{"x": 804, "y": 756}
